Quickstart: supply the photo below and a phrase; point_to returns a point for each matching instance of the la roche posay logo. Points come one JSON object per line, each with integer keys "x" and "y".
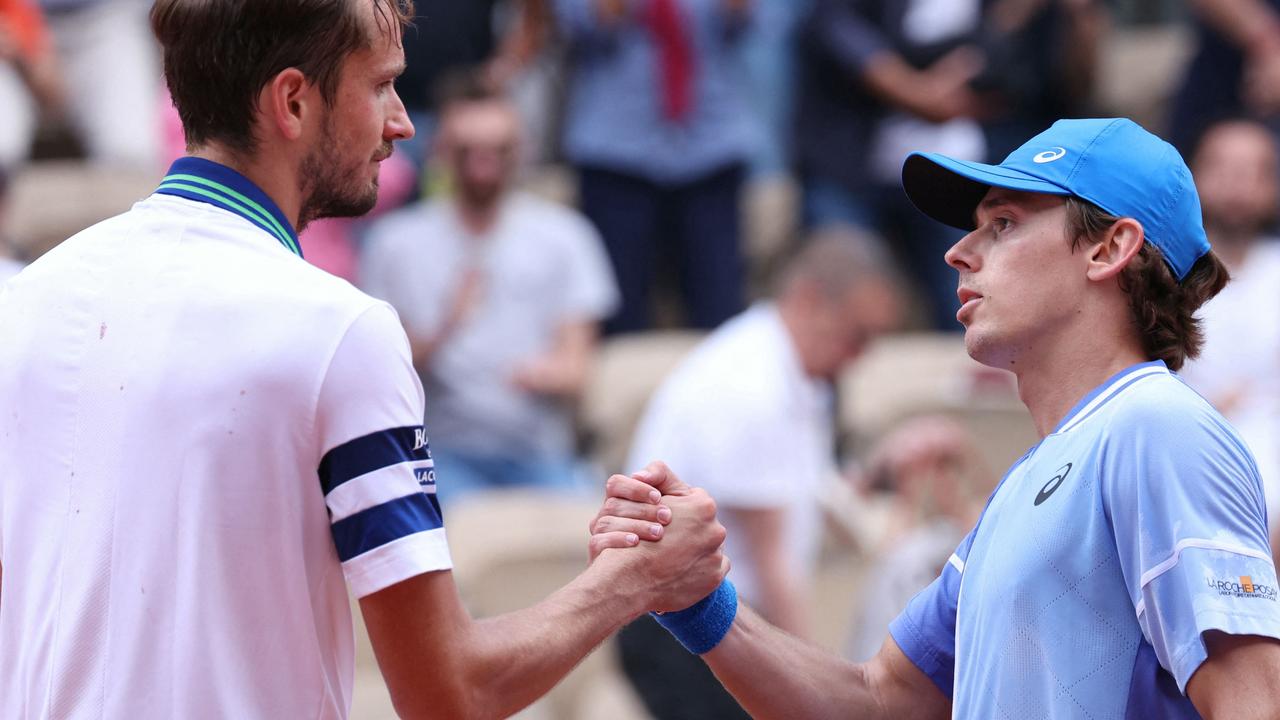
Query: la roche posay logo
{"x": 1241, "y": 587}
{"x": 1049, "y": 155}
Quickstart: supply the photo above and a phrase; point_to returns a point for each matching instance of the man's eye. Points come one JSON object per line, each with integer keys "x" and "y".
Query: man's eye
{"x": 1000, "y": 224}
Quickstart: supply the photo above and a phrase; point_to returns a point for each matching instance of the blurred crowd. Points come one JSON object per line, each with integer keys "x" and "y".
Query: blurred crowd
{"x": 586, "y": 171}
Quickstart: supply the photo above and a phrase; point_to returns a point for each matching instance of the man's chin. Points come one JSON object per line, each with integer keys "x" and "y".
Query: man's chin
{"x": 342, "y": 207}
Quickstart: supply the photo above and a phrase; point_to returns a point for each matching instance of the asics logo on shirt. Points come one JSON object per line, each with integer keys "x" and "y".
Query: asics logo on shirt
{"x": 1054, "y": 482}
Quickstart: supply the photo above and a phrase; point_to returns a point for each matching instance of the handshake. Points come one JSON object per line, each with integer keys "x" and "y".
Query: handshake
{"x": 662, "y": 539}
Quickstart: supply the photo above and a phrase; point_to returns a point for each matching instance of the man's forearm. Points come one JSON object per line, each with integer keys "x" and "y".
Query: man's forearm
{"x": 548, "y": 639}
{"x": 439, "y": 663}
{"x": 1247, "y": 23}
{"x": 775, "y": 675}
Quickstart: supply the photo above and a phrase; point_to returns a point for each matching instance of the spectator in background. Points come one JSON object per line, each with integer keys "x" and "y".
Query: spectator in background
{"x": 749, "y": 416}
{"x": 501, "y": 295}
{"x": 770, "y": 56}
{"x": 880, "y": 78}
{"x": 449, "y": 36}
{"x": 967, "y": 78}
{"x": 1238, "y": 370}
{"x": 1235, "y": 70}
{"x": 112, "y": 73}
{"x": 1041, "y": 62}
{"x": 659, "y": 134}
{"x": 29, "y": 82}
{"x": 932, "y": 472}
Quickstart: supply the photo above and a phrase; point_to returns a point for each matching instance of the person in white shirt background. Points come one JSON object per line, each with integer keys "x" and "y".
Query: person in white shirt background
{"x": 504, "y": 332}
{"x": 750, "y": 416}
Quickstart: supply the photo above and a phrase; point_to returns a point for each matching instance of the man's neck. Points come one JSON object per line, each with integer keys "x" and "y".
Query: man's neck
{"x": 477, "y": 218}
{"x": 1052, "y": 382}
{"x": 274, "y": 178}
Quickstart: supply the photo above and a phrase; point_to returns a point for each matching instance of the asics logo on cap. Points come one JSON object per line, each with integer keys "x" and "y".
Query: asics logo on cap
{"x": 1050, "y": 155}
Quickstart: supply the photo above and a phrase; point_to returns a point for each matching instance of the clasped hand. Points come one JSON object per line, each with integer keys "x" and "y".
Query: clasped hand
{"x": 667, "y": 534}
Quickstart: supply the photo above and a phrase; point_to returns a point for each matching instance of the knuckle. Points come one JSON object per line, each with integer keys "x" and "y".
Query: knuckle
{"x": 718, "y": 534}
{"x": 612, "y": 506}
{"x": 611, "y": 486}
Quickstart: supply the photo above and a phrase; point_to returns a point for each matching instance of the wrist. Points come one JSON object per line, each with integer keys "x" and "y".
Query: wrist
{"x": 701, "y": 627}
{"x": 613, "y": 579}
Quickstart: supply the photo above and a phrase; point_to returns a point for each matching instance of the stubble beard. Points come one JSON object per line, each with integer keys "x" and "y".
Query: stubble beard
{"x": 331, "y": 189}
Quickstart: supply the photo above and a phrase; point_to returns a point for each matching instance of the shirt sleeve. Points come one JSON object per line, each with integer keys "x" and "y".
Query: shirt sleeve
{"x": 926, "y": 629}
{"x": 377, "y": 473}
{"x": 1185, "y": 502}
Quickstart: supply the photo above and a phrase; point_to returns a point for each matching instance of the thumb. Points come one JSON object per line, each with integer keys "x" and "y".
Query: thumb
{"x": 661, "y": 477}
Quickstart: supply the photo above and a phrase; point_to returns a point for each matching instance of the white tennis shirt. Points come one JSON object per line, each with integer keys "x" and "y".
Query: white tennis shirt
{"x": 201, "y": 436}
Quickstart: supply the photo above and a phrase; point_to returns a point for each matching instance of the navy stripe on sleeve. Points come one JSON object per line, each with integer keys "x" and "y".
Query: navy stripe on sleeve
{"x": 382, "y": 524}
{"x": 372, "y": 452}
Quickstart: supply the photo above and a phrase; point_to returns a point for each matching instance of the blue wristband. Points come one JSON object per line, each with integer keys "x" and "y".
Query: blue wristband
{"x": 701, "y": 627}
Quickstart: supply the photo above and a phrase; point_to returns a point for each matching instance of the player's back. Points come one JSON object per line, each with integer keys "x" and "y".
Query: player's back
{"x": 161, "y": 523}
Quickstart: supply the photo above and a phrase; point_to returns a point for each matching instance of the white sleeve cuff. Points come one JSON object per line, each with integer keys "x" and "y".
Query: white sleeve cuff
{"x": 401, "y": 559}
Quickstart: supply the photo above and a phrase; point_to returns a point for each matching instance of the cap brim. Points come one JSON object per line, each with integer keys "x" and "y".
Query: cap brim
{"x": 949, "y": 190}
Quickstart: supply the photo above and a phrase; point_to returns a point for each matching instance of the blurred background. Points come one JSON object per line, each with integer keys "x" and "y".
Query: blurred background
{"x": 673, "y": 228}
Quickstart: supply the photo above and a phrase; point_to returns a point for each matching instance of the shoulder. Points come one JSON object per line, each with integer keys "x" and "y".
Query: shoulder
{"x": 737, "y": 369}
{"x": 1163, "y": 434}
{"x": 1164, "y": 407}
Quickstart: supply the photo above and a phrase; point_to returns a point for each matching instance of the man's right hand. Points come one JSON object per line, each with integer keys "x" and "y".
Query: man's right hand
{"x": 633, "y": 508}
{"x": 654, "y": 504}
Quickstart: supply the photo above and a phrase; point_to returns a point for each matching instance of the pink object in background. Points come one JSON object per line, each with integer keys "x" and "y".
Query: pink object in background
{"x": 331, "y": 244}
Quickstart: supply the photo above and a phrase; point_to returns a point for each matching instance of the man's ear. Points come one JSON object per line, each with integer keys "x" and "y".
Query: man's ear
{"x": 285, "y": 103}
{"x": 1119, "y": 244}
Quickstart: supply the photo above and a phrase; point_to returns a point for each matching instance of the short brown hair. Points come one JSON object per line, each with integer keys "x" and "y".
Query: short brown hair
{"x": 218, "y": 54}
{"x": 1163, "y": 309}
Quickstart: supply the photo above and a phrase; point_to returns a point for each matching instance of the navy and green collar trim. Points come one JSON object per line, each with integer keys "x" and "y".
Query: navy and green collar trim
{"x": 210, "y": 182}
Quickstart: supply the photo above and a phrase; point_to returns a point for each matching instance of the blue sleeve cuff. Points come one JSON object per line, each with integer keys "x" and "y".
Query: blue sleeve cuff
{"x": 923, "y": 654}
{"x": 701, "y": 627}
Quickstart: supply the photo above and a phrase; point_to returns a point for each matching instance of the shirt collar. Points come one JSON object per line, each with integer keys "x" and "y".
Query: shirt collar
{"x": 1102, "y": 394}
{"x": 210, "y": 182}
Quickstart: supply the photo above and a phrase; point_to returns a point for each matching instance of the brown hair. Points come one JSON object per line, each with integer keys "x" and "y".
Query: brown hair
{"x": 1163, "y": 309}
{"x": 218, "y": 54}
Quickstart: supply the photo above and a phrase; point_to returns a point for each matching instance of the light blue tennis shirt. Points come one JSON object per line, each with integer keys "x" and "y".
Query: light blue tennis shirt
{"x": 1104, "y": 554}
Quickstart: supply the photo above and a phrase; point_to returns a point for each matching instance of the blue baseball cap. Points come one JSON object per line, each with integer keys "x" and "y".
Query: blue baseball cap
{"x": 1111, "y": 162}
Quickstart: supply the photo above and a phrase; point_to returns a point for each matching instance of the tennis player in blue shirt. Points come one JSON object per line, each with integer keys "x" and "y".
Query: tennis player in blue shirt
{"x": 1121, "y": 569}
